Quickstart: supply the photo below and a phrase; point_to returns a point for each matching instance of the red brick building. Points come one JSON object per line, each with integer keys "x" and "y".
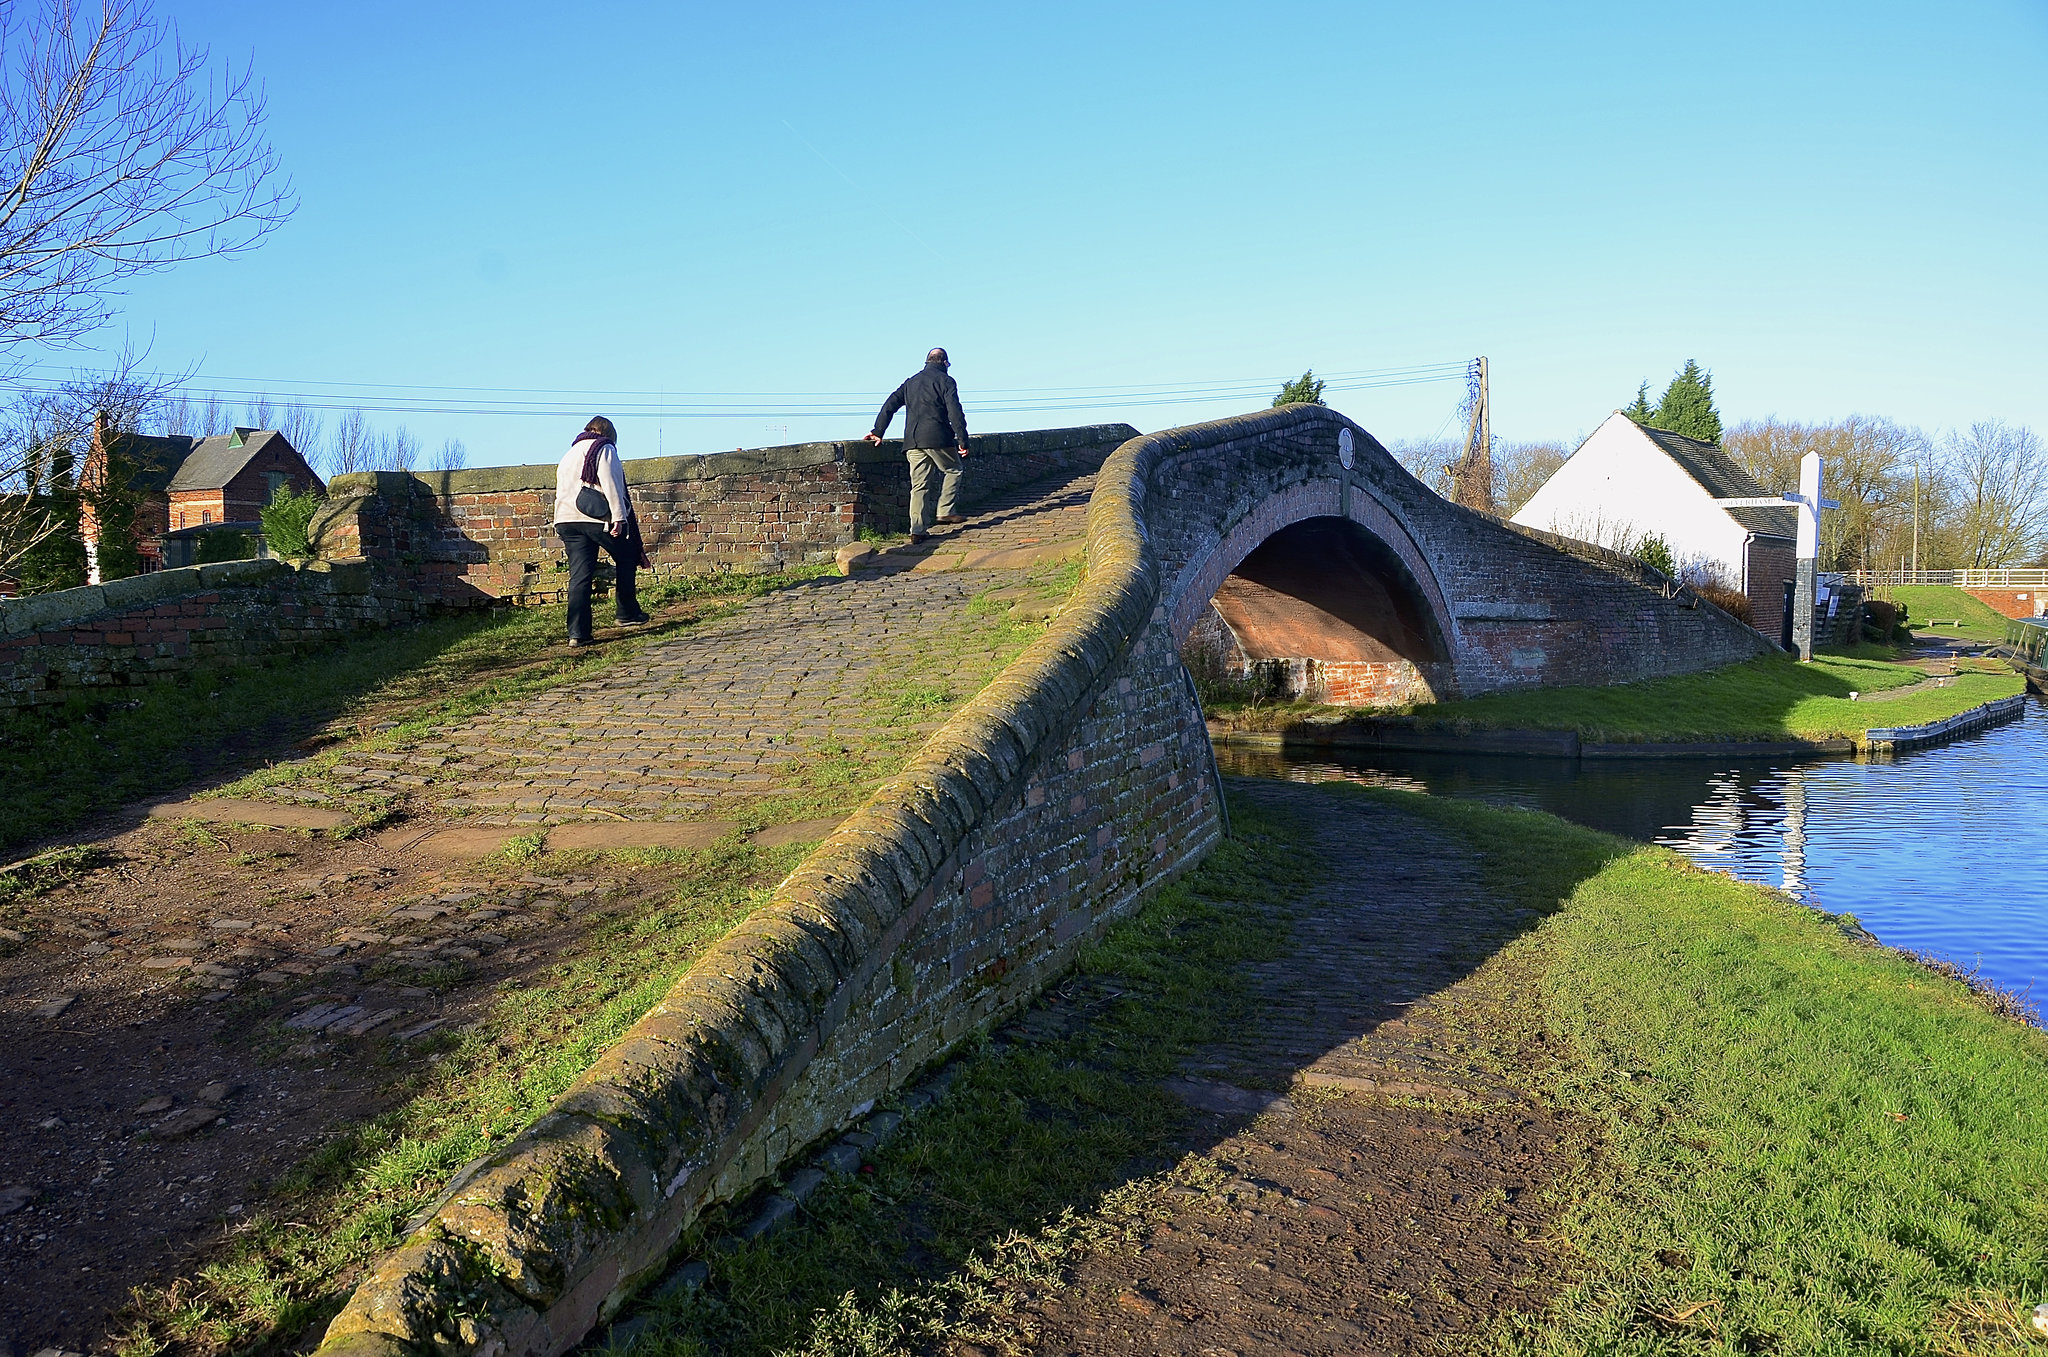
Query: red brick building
{"x": 175, "y": 481}
{"x": 230, "y": 477}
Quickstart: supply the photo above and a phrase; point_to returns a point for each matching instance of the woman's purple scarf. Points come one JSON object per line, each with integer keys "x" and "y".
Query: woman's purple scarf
{"x": 629, "y": 536}
{"x": 597, "y": 445}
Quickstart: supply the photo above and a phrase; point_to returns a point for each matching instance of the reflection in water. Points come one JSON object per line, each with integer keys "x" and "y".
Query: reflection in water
{"x": 1943, "y": 850}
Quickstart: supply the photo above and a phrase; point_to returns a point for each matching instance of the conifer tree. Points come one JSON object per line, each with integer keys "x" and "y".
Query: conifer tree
{"x": 1688, "y": 405}
{"x": 1641, "y": 412}
{"x": 1307, "y": 389}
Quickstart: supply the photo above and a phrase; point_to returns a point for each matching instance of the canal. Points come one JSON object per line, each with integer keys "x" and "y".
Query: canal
{"x": 1942, "y": 850}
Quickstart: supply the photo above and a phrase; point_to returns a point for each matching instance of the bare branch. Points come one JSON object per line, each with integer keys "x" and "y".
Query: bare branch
{"x": 122, "y": 151}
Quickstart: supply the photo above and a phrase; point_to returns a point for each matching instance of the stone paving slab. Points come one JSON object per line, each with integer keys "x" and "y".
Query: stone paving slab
{"x": 228, "y": 810}
{"x": 700, "y": 727}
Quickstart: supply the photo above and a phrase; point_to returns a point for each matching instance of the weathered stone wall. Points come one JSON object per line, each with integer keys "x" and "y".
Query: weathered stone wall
{"x": 1051, "y": 803}
{"x": 489, "y": 533}
{"x": 99, "y": 639}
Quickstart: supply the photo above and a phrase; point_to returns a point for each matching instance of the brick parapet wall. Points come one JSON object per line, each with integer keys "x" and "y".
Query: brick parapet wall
{"x": 489, "y": 533}
{"x": 150, "y": 629}
{"x": 1051, "y": 803}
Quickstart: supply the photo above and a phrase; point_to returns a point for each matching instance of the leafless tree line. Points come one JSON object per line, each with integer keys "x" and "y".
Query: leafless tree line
{"x": 352, "y": 444}
{"x": 1519, "y": 469}
{"x": 1979, "y": 496}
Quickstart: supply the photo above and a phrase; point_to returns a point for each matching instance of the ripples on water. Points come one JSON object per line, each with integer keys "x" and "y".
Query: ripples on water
{"x": 1943, "y": 850}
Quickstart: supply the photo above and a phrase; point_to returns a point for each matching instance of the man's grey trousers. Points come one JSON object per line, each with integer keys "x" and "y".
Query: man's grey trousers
{"x": 924, "y": 463}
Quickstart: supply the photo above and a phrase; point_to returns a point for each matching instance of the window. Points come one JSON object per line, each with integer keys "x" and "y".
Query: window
{"x": 276, "y": 481}
{"x": 206, "y": 515}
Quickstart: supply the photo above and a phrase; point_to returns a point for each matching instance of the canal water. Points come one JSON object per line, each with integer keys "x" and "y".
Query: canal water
{"x": 1941, "y": 850}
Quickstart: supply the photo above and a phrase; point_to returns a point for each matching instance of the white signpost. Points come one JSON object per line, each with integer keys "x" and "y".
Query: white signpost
{"x": 1806, "y": 577}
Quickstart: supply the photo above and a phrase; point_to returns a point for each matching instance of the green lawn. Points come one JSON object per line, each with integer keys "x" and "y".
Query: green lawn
{"x": 1812, "y": 1145}
{"x": 1924, "y": 602}
{"x": 1775, "y": 697}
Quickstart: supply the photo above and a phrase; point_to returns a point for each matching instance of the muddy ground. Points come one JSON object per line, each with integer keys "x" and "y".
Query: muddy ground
{"x": 192, "y": 1016}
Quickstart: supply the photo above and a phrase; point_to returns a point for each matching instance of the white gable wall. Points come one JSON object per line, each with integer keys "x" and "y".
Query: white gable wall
{"x": 1620, "y": 486}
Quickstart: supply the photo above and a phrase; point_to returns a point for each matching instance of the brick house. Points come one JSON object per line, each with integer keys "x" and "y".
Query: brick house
{"x": 176, "y": 481}
{"x": 1626, "y": 481}
{"x": 228, "y": 478}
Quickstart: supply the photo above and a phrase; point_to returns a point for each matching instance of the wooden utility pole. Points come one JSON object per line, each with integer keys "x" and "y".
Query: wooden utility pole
{"x": 1472, "y": 476}
{"x": 1916, "y": 518}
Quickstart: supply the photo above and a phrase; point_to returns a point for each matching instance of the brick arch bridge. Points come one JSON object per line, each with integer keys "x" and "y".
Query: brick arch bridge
{"x": 1293, "y": 542}
{"x": 1053, "y": 802}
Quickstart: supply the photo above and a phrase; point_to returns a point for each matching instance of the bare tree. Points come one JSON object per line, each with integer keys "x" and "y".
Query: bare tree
{"x": 46, "y": 436}
{"x": 351, "y": 448}
{"x": 400, "y": 450}
{"x": 121, "y": 152}
{"x": 301, "y": 428}
{"x": 213, "y": 417}
{"x": 260, "y": 413}
{"x": 1998, "y": 483}
{"x": 1867, "y": 464}
{"x": 1429, "y": 460}
{"x": 1520, "y": 469}
{"x": 174, "y": 414}
{"x": 452, "y": 456}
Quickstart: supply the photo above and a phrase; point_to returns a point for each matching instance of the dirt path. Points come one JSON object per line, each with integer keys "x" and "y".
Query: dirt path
{"x": 1385, "y": 1185}
{"x": 189, "y": 1010}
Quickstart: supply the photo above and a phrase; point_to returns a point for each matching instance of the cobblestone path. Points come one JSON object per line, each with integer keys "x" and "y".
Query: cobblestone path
{"x": 730, "y": 712}
{"x": 1381, "y": 1189}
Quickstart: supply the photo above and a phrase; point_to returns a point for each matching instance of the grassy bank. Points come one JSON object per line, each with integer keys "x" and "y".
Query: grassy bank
{"x": 1775, "y": 697}
{"x": 1804, "y": 1144}
{"x": 1812, "y": 1145}
{"x": 61, "y": 765}
{"x": 1925, "y": 603}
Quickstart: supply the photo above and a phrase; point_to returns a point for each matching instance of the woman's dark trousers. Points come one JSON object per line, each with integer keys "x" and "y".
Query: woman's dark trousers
{"x": 582, "y": 541}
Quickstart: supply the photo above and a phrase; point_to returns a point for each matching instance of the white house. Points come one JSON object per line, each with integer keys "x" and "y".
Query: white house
{"x": 1626, "y": 482}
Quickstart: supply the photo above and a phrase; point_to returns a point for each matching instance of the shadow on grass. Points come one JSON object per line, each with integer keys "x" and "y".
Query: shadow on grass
{"x": 1058, "y": 1133}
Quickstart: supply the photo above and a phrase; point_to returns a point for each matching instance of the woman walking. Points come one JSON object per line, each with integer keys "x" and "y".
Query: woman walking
{"x": 592, "y": 510}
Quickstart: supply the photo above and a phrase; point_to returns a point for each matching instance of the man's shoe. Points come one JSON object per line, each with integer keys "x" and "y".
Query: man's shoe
{"x": 575, "y": 644}
{"x": 917, "y": 537}
{"x": 954, "y": 518}
{"x": 637, "y": 620}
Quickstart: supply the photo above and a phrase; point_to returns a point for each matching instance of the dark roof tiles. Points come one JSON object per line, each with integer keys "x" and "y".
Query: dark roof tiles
{"x": 1718, "y": 474}
{"x": 216, "y": 460}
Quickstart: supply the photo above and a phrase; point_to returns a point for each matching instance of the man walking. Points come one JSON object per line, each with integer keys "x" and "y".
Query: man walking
{"x": 934, "y": 438}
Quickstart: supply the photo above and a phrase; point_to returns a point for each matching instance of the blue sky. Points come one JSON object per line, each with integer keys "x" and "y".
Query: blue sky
{"x": 1836, "y": 208}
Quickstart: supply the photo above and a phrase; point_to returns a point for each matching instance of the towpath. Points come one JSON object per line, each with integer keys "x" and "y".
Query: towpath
{"x": 1382, "y": 1189}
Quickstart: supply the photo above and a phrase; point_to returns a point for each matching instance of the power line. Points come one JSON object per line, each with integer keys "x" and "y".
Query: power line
{"x": 398, "y": 399}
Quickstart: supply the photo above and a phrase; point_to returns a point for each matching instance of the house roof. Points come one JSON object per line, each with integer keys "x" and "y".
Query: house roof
{"x": 219, "y": 459}
{"x": 153, "y": 459}
{"x": 1719, "y": 475}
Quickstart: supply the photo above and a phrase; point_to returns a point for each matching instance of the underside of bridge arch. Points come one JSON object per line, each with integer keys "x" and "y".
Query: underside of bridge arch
{"x": 1323, "y": 611}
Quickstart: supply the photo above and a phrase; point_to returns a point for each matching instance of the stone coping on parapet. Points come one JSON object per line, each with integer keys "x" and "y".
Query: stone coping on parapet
{"x": 65, "y": 607}
{"x": 498, "y": 480}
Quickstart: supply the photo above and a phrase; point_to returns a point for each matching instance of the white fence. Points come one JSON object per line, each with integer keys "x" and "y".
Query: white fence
{"x": 1968, "y": 579}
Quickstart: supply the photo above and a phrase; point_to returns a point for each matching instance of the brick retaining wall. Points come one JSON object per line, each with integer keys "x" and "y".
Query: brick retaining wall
{"x": 489, "y": 533}
{"x": 149, "y": 629}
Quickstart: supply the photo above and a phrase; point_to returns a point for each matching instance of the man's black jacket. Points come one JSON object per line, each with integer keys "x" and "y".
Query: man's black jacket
{"x": 932, "y": 401}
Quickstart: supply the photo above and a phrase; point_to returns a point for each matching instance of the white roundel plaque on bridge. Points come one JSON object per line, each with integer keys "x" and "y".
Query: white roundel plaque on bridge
{"x": 1344, "y": 447}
